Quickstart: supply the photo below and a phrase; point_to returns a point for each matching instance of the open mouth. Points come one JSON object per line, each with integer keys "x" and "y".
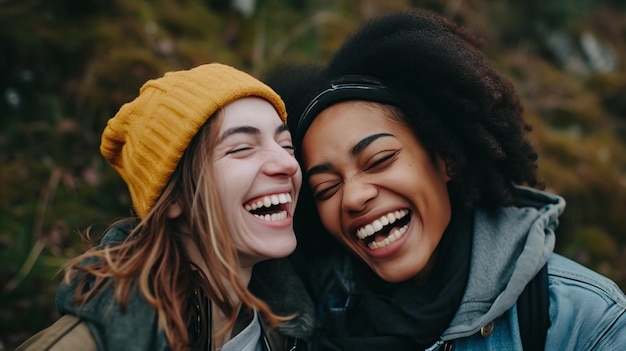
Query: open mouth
{"x": 270, "y": 208}
{"x": 384, "y": 230}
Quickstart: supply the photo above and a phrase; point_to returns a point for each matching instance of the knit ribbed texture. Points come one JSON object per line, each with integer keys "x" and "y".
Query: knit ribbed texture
{"x": 146, "y": 139}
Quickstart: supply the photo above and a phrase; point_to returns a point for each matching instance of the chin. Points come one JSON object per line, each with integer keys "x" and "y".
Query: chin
{"x": 392, "y": 278}
{"x": 395, "y": 274}
{"x": 283, "y": 250}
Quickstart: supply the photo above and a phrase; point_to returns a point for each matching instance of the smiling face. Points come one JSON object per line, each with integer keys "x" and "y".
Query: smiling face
{"x": 257, "y": 179}
{"x": 376, "y": 188}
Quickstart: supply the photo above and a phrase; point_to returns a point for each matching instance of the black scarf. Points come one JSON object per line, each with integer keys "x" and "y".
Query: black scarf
{"x": 403, "y": 316}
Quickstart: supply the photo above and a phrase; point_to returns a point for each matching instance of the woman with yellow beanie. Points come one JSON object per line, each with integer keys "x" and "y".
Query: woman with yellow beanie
{"x": 210, "y": 168}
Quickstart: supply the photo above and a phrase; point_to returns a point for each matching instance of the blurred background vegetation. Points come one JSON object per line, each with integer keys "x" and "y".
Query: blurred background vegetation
{"x": 66, "y": 66}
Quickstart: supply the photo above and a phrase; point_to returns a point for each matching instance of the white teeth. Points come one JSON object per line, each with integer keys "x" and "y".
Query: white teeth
{"x": 274, "y": 199}
{"x": 377, "y": 225}
{"x": 388, "y": 240}
{"x": 268, "y": 201}
{"x": 384, "y": 220}
{"x": 272, "y": 217}
{"x": 282, "y": 198}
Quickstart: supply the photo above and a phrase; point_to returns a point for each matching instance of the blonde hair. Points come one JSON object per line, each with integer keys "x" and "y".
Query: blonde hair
{"x": 154, "y": 259}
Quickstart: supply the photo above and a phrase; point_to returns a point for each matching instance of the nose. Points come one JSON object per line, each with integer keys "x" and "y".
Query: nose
{"x": 356, "y": 194}
{"x": 280, "y": 162}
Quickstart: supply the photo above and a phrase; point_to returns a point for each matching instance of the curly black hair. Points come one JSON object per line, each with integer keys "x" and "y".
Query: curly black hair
{"x": 454, "y": 100}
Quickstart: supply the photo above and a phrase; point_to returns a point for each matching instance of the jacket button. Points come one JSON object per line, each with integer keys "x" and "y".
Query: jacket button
{"x": 487, "y": 329}
{"x": 448, "y": 346}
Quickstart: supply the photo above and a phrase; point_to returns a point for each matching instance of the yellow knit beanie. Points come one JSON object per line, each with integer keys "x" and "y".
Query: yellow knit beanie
{"x": 146, "y": 139}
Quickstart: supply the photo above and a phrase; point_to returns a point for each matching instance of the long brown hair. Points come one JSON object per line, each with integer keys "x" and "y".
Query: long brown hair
{"x": 153, "y": 257}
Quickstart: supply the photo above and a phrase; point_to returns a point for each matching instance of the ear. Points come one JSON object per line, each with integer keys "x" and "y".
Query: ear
{"x": 174, "y": 210}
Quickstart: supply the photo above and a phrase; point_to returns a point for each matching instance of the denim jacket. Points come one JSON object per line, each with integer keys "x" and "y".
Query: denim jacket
{"x": 587, "y": 310}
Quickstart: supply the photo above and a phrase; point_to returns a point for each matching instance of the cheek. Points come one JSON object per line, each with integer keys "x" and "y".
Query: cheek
{"x": 225, "y": 185}
{"x": 237, "y": 174}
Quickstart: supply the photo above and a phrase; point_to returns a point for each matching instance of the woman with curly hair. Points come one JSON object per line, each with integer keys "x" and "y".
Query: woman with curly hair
{"x": 416, "y": 160}
{"x": 209, "y": 164}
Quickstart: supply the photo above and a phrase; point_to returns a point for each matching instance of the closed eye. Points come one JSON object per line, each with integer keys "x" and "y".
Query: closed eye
{"x": 325, "y": 193}
{"x": 381, "y": 159}
{"x": 290, "y": 149}
{"x": 239, "y": 150}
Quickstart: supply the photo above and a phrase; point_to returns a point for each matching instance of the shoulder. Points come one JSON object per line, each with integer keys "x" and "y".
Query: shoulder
{"x": 114, "y": 327}
{"x": 117, "y": 232}
{"x": 67, "y": 333}
{"x": 587, "y": 310}
{"x": 567, "y": 274}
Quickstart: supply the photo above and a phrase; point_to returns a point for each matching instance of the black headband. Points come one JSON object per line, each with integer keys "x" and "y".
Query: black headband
{"x": 338, "y": 92}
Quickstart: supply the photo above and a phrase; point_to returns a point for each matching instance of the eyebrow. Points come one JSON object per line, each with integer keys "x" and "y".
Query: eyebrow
{"x": 238, "y": 130}
{"x": 365, "y": 142}
{"x": 249, "y": 130}
{"x": 321, "y": 168}
{"x": 282, "y": 128}
{"x": 354, "y": 151}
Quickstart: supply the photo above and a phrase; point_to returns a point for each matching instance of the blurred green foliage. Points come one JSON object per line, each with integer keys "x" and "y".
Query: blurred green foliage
{"x": 66, "y": 66}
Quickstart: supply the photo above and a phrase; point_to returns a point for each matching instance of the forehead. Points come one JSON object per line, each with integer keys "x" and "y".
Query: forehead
{"x": 350, "y": 119}
{"x": 253, "y": 111}
{"x": 337, "y": 129}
